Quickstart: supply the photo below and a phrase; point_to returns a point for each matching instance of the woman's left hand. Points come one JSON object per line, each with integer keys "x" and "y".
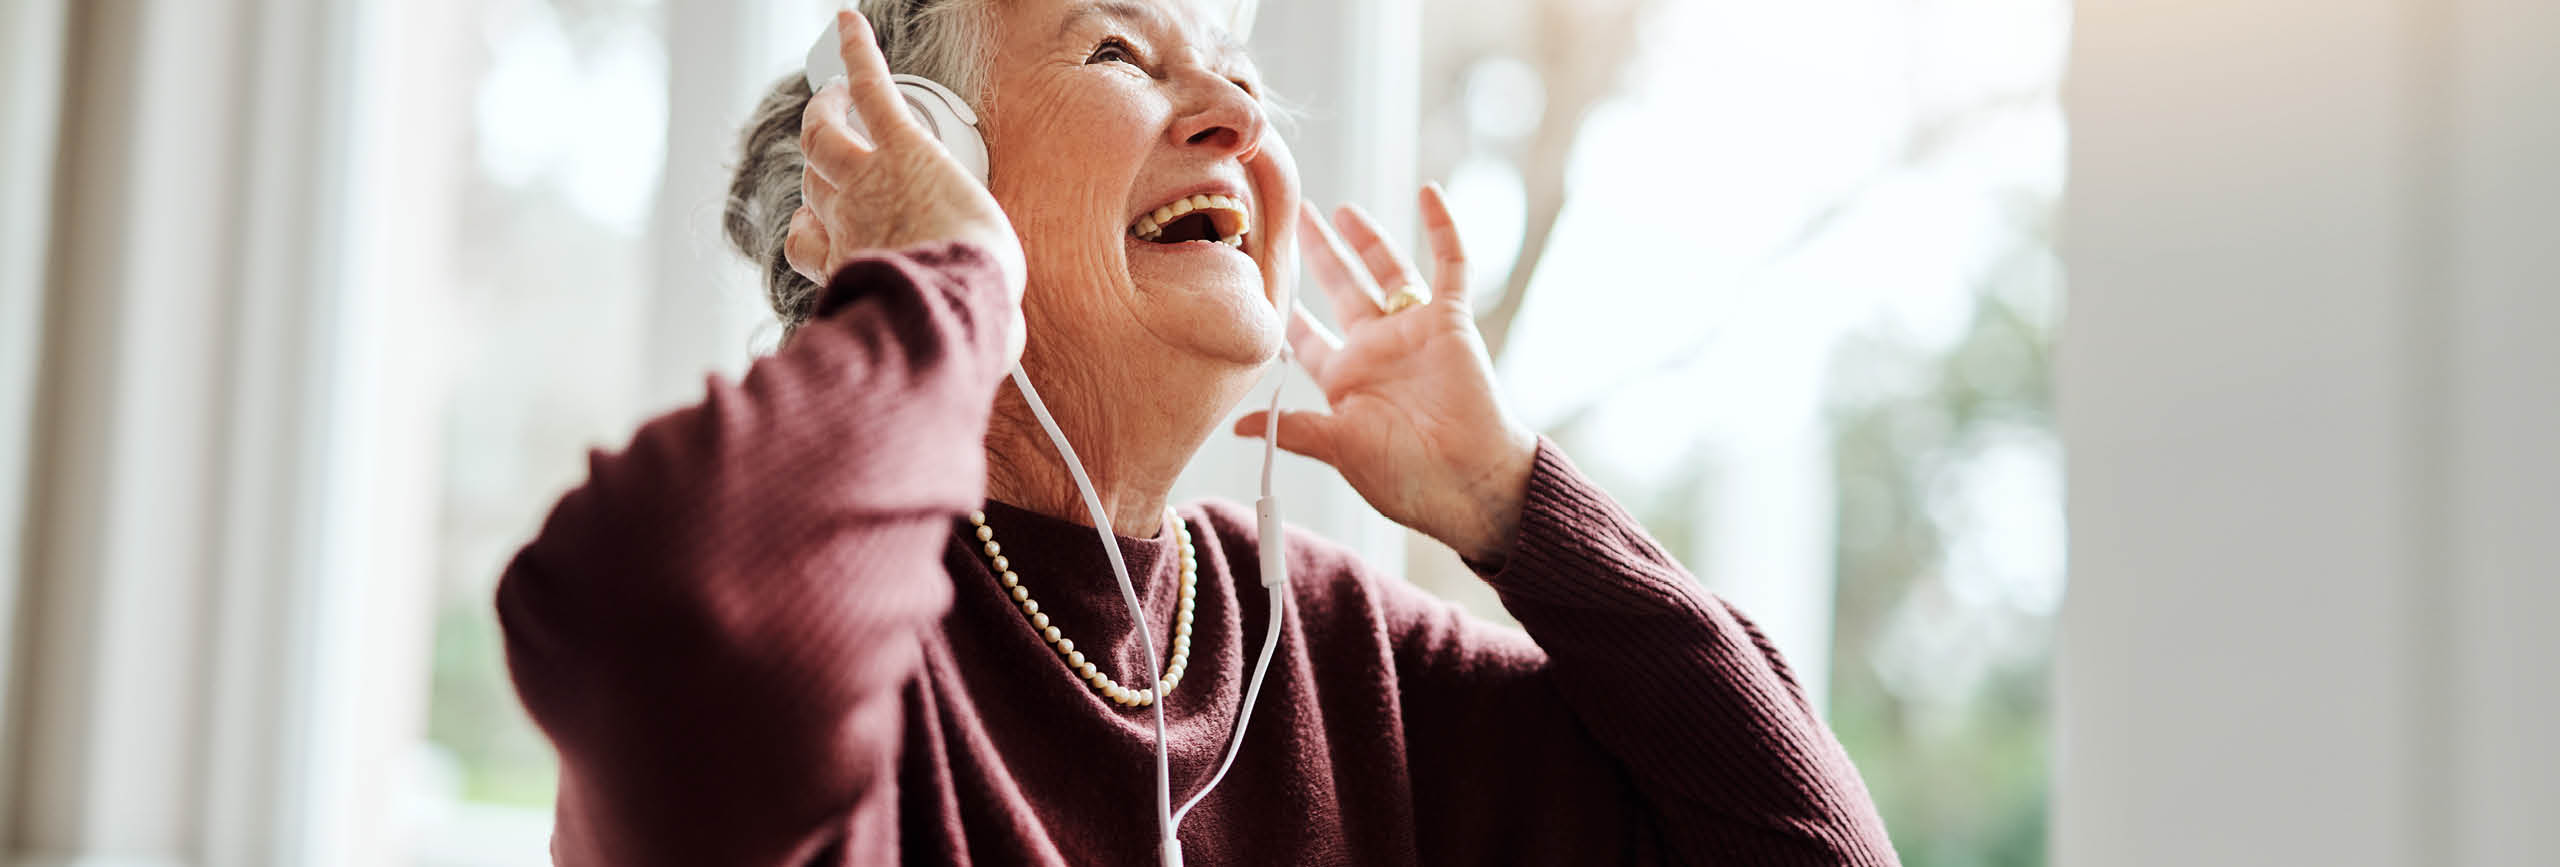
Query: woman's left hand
{"x": 1416, "y": 426}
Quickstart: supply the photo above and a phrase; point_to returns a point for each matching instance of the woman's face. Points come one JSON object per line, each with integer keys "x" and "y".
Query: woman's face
{"x": 1106, "y": 115}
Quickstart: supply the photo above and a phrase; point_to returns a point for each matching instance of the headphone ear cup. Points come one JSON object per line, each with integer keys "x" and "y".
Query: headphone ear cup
{"x": 944, "y": 114}
{"x": 948, "y": 119}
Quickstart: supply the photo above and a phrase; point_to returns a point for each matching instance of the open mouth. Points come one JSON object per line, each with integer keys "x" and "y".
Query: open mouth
{"x": 1208, "y": 217}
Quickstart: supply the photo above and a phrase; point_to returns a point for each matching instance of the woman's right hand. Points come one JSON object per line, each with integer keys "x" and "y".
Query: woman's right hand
{"x": 896, "y": 190}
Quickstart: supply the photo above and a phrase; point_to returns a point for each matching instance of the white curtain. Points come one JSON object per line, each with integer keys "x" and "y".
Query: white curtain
{"x": 30, "y": 97}
{"x": 168, "y": 300}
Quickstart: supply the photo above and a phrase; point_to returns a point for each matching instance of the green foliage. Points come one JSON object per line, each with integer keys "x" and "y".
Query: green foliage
{"x": 1961, "y": 779}
{"x": 474, "y": 715}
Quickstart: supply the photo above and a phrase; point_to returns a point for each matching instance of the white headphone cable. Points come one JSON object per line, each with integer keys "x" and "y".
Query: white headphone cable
{"x": 823, "y": 65}
{"x": 1128, "y": 593}
{"x": 1275, "y": 578}
{"x": 1276, "y": 582}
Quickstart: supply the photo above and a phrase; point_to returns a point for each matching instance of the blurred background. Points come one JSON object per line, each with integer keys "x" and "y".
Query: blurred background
{"x": 310, "y": 308}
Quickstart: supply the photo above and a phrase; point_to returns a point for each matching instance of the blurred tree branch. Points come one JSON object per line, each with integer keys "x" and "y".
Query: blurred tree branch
{"x": 1579, "y": 49}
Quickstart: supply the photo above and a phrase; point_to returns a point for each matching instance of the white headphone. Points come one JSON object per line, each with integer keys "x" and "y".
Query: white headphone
{"x": 950, "y": 120}
{"x": 943, "y": 113}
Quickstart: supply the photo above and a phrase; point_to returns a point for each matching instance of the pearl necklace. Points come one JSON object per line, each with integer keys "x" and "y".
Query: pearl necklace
{"x": 1066, "y": 647}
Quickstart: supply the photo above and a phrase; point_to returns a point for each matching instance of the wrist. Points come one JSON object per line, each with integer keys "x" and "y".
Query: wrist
{"x": 1501, "y": 497}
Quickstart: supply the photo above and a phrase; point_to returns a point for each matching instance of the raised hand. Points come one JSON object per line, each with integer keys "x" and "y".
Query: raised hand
{"x": 1416, "y": 425}
{"x": 895, "y": 189}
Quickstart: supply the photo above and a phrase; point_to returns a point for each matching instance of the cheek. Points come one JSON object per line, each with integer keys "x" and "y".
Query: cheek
{"x": 1037, "y": 171}
{"x": 1074, "y": 130}
{"x": 1062, "y": 156}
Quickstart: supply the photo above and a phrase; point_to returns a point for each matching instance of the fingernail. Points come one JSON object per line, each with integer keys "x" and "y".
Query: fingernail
{"x": 835, "y": 81}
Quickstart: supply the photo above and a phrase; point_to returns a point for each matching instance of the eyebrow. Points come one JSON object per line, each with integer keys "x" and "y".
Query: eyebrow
{"x": 1129, "y": 13}
{"x": 1124, "y": 11}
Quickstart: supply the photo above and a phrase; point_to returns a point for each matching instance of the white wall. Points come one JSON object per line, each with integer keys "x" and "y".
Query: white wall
{"x": 2501, "y": 294}
{"x": 2310, "y": 410}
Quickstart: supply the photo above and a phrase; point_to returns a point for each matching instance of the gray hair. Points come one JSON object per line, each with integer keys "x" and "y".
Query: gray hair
{"x": 944, "y": 40}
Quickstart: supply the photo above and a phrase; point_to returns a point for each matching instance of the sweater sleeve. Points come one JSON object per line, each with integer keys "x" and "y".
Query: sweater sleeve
{"x": 714, "y": 628}
{"x": 1708, "y": 729}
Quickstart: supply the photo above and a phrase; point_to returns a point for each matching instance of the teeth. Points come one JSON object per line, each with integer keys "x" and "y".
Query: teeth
{"x": 1227, "y": 213}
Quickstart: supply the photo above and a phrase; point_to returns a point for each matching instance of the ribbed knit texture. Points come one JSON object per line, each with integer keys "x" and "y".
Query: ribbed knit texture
{"x": 761, "y": 635}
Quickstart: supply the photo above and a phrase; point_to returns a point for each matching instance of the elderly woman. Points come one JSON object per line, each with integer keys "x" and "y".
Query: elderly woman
{"x": 847, "y": 610}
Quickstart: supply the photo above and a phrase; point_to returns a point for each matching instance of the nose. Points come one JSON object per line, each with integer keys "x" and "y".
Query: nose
{"x": 1218, "y": 116}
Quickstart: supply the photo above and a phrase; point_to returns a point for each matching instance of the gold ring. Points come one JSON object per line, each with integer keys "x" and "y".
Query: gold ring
{"x": 1404, "y": 298}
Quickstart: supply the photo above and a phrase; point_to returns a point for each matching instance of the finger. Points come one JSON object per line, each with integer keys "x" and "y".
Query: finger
{"x": 1386, "y": 265}
{"x": 875, "y": 97}
{"x": 806, "y": 246}
{"x": 1354, "y": 295}
{"x": 1302, "y": 432}
{"x": 1310, "y": 342}
{"x": 1448, "y": 254}
{"x": 818, "y": 196}
{"x": 831, "y": 145}
{"x": 815, "y": 190}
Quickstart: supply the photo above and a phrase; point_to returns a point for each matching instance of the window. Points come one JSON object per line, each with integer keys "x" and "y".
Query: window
{"x": 1781, "y": 277}
{"x": 533, "y": 346}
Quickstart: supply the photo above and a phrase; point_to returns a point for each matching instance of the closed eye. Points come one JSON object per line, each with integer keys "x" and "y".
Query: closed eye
{"x": 1113, "y": 50}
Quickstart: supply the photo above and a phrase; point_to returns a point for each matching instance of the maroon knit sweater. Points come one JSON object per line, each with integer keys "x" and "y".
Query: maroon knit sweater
{"x": 760, "y": 635}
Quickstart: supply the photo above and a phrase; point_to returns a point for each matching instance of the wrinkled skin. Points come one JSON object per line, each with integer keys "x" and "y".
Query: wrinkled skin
{"x": 1095, "y": 115}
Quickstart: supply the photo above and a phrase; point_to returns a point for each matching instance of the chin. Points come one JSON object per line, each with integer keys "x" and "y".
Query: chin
{"x": 1206, "y": 299}
{"x": 1254, "y": 338}
{"x": 1228, "y": 326}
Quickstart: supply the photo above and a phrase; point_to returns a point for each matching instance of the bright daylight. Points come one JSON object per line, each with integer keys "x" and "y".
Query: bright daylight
{"x": 1945, "y": 433}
